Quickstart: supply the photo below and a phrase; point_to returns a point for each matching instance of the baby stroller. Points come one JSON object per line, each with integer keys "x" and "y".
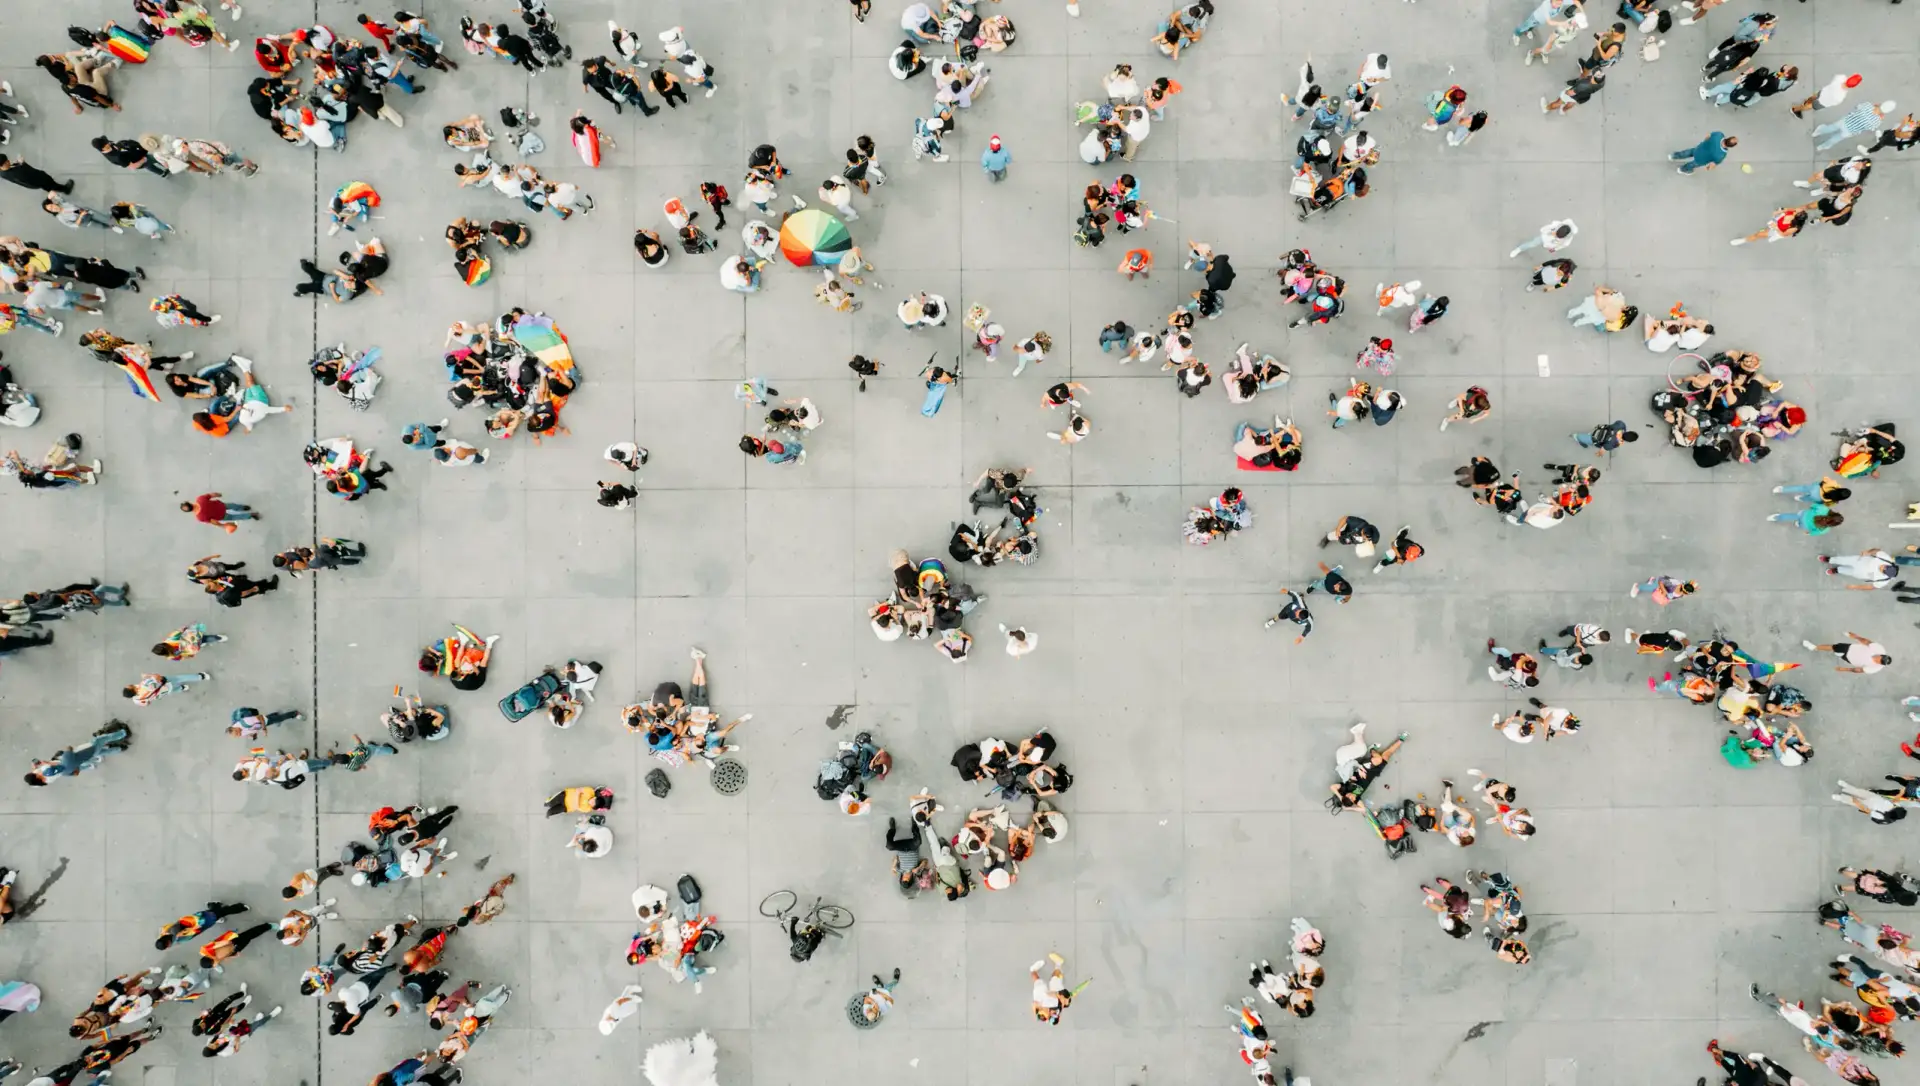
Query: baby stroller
{"x": 1395, "y": 826}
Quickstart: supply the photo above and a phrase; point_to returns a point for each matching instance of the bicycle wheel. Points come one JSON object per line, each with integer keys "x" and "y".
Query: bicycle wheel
{"x": 786, "y": 898}
{"x": 833, "y": 916}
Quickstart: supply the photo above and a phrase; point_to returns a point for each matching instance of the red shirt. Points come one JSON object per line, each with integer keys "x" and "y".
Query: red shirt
{"x": 208, "y": 509}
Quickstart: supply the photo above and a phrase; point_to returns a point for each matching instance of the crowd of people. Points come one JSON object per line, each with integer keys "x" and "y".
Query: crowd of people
{"x": 318, "y": 79}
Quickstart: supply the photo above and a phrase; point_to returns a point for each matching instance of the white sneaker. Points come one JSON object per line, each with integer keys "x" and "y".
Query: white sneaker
{"x": 186, "y": 356}
{"x": 215, "y": 319}
{"x": 799, "y": 204}
{"x": 1738, "y": 241}
{"x": 1802, "y": 185}
{"x": 1073, "y": 10}
{"x": 698, "y": 655}
{"x": 710, "y": 91}
{"x": 1808, "y": 645}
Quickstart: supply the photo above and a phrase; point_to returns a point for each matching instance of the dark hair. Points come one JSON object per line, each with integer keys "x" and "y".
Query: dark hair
{"x": 751, "y": 445}
{"x": 1630, "y": 435}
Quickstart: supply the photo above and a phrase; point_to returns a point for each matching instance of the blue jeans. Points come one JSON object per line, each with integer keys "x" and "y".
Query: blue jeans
{"x": 1533, "y": 20}
{"x": 1110, "y": 339}
{"x": 996, "y": 175}
{"x": 1787, "y": 518}
{"x": 1834, "y": 133}
{"x": 1721, "y": 93}
{"x": 236, "y": 511}
{"x": 1803, "y": 492}
{"x": 1686, "y": 159}
{"x": 1588, "y": 313}
{"x": 403, "y": 81}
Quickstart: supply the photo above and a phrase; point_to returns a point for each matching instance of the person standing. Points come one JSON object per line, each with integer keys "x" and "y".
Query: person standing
{"x": 1020, "y": 640}
{"x": 994, "y": 160}
{"x": 1828, "y": 96}
{"x": 1706, "y": 154}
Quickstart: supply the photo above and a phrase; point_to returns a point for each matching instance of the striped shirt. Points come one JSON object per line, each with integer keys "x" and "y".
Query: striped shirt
{"x": 1864, "y": 117}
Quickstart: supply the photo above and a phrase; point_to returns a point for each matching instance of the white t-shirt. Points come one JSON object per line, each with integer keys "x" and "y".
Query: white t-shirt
{"x": 1834, "y": 92}
{"x": 1693, "y": 337}
{"x": 1043, "y": 989}
{"x": 1375, "y": 69}
{"x": 1554, "y": 243}
{"x": 915, "y": 17}
{"x": 1511, "y": 729}
{"x": 1862, "y": 656}
{"x": 1662, "y": 339}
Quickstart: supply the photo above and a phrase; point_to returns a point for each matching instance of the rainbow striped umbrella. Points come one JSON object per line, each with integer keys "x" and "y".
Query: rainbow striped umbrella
{"x": 812, "y": 236}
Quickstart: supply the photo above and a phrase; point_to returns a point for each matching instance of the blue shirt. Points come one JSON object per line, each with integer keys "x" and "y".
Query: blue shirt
{"x": 996, "y": 161}
{"x": 1710, "y": 152}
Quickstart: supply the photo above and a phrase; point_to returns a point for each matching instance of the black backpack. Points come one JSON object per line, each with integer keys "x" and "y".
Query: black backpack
{"x": 84, "y": 37}
{"x": 658, "y": 783}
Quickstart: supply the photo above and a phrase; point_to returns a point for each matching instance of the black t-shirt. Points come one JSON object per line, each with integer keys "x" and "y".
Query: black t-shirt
{"x": 124, "y": 152}
{"x": 370, "y": 266}
{"x": 1356, "y": 530}
{"x": 260, "y": 97}
{"x": 1059, "y": 394}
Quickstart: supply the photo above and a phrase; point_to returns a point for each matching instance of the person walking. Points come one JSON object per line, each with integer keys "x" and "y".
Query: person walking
{"x": 1817, "y": 518}
{"x": 1861, "y": 119}
{"x": 1553, "y": 237}
{"x": 1828, "y": 96}
{"x": 1900, "y": 137}
{"x": 129, "y": 155}
{"x": 1706, "y": 154}
{"x": 1606, "y": 437}
{"x": 994, "y": 160}
{"x": 29, "y": 176}
{"x": 1862, "y": 656}
{"x": 230, "y": 943}
{"x": 210, "y": 509}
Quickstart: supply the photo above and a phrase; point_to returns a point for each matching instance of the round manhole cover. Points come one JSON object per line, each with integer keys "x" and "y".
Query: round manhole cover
{"x": 729, "y": 777}
{"x": 857, "y": 1012}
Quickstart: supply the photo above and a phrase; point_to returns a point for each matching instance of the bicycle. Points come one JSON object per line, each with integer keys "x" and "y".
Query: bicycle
{"x": 832, "y": 919}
